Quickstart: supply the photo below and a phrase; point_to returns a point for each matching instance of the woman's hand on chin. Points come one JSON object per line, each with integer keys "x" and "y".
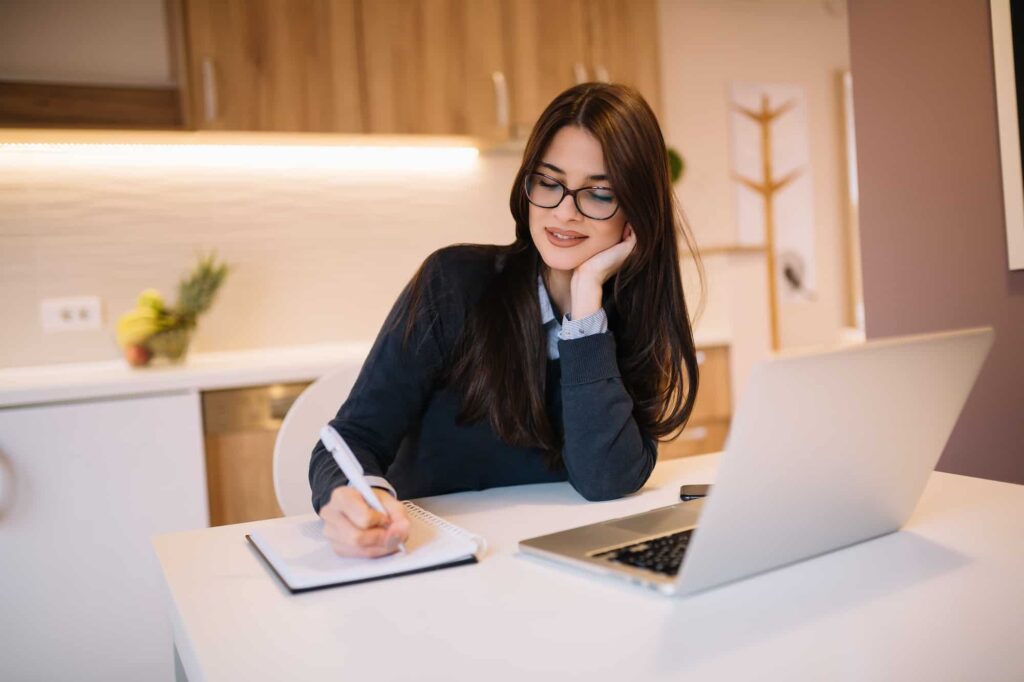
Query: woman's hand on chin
{"x": 592, "y": 273}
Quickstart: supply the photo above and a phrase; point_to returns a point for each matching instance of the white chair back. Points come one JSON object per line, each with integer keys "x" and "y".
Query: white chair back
{"x": 299, "y": 432}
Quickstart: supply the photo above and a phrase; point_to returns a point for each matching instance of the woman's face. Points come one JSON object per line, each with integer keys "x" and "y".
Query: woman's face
{"x": 575, "y": 159}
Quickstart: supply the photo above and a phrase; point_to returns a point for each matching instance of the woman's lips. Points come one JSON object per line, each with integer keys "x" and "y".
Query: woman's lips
{"x": 574, "y": 238}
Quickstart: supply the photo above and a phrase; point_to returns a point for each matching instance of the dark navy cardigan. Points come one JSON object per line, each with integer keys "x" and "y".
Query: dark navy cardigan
{"x": 401, "y": 422}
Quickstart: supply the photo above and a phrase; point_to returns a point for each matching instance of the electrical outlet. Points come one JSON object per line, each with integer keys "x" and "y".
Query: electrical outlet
{"x": 70, "y": 314}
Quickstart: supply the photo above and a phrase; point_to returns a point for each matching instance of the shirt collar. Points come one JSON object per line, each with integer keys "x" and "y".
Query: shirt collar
{"x": 547, "y": 313}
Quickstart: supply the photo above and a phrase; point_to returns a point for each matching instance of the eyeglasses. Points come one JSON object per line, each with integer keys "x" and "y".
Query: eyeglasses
{"x": 597, "y": 203}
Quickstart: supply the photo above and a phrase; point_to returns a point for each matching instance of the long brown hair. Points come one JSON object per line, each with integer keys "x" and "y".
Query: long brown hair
{"x": 499, "y": 366}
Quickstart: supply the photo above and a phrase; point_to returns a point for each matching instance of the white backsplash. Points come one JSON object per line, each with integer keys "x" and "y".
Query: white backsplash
{"x": 317, "y": 256}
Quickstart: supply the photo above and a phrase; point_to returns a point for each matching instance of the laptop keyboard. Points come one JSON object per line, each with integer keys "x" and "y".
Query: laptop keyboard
{"x": 660, "y": 555}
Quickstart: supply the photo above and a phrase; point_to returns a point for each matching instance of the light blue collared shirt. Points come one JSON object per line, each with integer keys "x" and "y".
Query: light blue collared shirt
{"x": 568, "y": 329}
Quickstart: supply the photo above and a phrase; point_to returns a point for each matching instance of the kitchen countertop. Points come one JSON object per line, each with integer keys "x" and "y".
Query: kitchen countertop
{"x": 200, "y": 371}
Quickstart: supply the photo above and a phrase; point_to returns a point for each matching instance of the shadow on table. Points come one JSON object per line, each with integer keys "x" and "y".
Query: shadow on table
{"x": 711, "y": 624}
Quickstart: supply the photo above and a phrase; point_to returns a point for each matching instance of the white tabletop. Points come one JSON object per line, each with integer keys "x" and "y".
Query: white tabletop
{"x": 942, "y": 599}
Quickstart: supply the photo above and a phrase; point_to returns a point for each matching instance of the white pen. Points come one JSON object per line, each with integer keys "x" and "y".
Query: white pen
{"x": 352, "y": 469}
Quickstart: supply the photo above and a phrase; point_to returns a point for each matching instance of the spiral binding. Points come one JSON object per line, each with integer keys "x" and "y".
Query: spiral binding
{"x": 423, "y": 515}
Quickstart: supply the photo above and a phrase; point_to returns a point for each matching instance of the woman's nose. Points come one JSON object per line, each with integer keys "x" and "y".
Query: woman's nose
{"x": 566, "y": 210}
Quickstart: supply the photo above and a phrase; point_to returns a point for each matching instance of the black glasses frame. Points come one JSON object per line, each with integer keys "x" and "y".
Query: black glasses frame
{"x": 571, "y": 192}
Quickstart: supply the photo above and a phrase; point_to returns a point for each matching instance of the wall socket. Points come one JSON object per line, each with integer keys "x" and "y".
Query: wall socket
{"x": 70, "y": 314}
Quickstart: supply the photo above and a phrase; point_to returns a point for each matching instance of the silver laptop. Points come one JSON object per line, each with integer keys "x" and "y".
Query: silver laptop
{"x": 837, "y": 445}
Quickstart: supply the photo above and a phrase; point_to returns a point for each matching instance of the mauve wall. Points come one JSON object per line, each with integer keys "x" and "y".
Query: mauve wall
{"x": 931, "y": 205}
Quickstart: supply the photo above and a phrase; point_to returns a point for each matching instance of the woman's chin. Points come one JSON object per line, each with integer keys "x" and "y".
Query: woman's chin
{"x": 558, "y": 259}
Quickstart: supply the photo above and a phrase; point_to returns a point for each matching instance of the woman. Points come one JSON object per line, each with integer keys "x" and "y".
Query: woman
{"x": 561, "y": 356}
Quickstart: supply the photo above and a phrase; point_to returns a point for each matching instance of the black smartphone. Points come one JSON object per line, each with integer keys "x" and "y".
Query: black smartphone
{"x": 693, "y": 492}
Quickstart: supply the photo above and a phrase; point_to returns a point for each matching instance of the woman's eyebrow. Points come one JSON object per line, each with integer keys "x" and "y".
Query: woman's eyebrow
{"x": 600, "y": 176}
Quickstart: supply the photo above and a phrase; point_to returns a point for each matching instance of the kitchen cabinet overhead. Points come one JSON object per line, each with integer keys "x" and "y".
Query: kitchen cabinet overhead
{"x": 546, "y": 54}
{"x": 269, "y": 65}
{"x": 622, "y": 45}
{"x": 434, "y": 67}
{"x": 554, "y": 45}
{"x": 482, "y": 68}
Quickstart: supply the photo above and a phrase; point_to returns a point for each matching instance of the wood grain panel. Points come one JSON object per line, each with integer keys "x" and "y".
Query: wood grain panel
{"x": 622, "y": 41}
{"x": 284, "y": 66}
{"x": 697, "y": 439}
{"x": 545, "y": 46}
{"x": 174, "y": 11}
{"x": 714, "y": 395}
{"x": 239, "y": 477}
{"x": 428, "y": 66}
{"x": 86, "y": 106}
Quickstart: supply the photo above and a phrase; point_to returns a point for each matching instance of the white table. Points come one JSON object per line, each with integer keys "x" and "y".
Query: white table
{"x": 942, "y": 599}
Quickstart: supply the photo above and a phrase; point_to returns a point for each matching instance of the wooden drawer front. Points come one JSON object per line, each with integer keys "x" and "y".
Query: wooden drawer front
{"x": 697, "y": 439}
{"x": 714, "y": 393}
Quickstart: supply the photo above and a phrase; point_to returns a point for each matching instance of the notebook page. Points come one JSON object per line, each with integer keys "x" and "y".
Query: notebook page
{"x": 297, "y": 549}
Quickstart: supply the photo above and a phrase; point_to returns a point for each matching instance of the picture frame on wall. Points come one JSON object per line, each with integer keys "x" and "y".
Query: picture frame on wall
{"x": 1008, "y": 60}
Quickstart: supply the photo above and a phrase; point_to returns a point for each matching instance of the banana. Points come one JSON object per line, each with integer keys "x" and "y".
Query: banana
{"x": 151, "y": 298}
{"x": 137, "y": 325}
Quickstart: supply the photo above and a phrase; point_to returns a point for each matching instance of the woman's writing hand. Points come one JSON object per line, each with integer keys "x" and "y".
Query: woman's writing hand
{"x": 592, "y": 273}
{"x": 355, "y": 529}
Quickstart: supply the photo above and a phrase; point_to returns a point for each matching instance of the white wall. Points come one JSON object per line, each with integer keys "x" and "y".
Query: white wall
{"x": 705, "y": 45}
{"x": 318, "y": 256}
{"x": 91, "y": 42}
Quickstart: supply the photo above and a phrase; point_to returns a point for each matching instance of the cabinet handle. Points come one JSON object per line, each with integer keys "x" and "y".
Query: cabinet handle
{"x": 6, "y": 485}
{"x": 500, "y": 100}
{"x": 601, "y": 74}
{"x": 209, "y": 90}
{"x": 579, "y": 72}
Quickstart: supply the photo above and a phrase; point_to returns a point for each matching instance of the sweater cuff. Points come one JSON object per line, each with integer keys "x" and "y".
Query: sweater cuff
{"x": 588, "y": 359}
{"x": 382, "y": 483}
{"x": 340, "y": 481}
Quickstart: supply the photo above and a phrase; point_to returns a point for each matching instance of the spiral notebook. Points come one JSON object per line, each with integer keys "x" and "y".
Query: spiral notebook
{"x": 303, "y": 560}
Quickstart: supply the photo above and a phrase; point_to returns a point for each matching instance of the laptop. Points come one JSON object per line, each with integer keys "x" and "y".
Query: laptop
{"x": 826, "y": 450}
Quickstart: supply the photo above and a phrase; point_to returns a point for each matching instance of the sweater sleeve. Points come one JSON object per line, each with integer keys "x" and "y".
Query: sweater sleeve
{"x": 395, "y": 382}
{"x": 606, "y": 453}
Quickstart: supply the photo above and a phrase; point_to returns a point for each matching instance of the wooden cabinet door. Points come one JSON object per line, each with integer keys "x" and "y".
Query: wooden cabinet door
{"x": 273, "y": 65}
{"x": 546, "y": 53}
{"x": 430, "y": 66}
{"x": 622, "y": 45}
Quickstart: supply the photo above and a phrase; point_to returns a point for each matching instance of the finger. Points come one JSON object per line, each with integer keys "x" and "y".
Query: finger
{"x": 359, "y": 539}
{"x": 354, "y": 507}
{"x": 376, "y": 551}
{"x": 337, "y": 527}
{"x": 347, "y": 540}
{"x": 399, "y": 526}
{"x": 345, "y": 550}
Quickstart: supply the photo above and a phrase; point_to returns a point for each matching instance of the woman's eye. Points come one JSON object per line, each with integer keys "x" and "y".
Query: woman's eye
{"x": 606, "y": 197}
{"x": 548, "y": 184}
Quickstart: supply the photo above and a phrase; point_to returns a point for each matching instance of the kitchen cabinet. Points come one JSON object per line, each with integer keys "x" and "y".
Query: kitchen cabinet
{"x": 271, "y": 65}
{"x": 622, "y": 42}
{"x": 240, "y": 428}
{"x": 434, "y": 67}
{"x": 553, "y": 46}
{"x": 86, "y": 484}
{"x": 709, "y": 422}
{"x": 483, "y": 68}
{"x": 546, "y": 52}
